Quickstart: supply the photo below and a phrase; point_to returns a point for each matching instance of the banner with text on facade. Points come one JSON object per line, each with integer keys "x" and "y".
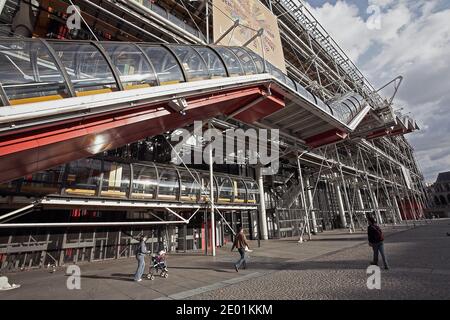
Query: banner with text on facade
{"x": 253, "y": 14}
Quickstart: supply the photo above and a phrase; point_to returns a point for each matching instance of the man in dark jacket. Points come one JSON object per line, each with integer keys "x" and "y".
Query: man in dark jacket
{"x": 240, "y": 242}
{"x": 376, "y": 239}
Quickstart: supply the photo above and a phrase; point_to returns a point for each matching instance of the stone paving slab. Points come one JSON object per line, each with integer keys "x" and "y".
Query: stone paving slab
{"x": 420, "y": 269}
{"x": 191, "y": 275}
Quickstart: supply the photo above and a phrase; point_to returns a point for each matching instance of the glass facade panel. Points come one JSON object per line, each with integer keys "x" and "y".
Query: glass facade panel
{"x": 145, "y": 182}
{"x": 169, "y": 187}
{"x": 240, "y": 192}
{"x": 259, "y": 62}
{"x": 190, "y": 188}
{"x": 192, "y": 63}
{"x": 253, "y": 191}
{"x": 87, "y": 68}
{"x": 290, "y": 83}
{"x": 341, "y": 112}
{"x": 213, "y": 62}
{"x": 166, "y": 66}
{"x": 29, "y": 73}
{"x": 116, "y": 180}
{"x": 134, "y": 70}
{"x": 83, "y": 177}
{"x": 231, "y": 61}
{"x": 225, "y": 189}
{"x": 46, "y": 182}
{"x": 246, "y": 61}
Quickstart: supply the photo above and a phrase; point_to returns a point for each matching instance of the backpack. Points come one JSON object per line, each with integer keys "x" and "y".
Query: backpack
{"x": 379, "y": 233}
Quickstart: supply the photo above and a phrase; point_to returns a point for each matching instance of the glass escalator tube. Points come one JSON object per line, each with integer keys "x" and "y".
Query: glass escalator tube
{"x": 231, "y": 61}
{"x": 192, "y": 63}
{"x": 134, "y": 70}
{"x": 168, "y": 183}
{"x": 145, "y": 181}
{"x": 225, "y": 188}
{"x": 240, "y": 190}
{"x": 30, "y": 72}
{"x": 259, "y": 62}
{"x": 167, "y": 67}
{"x": 213, "y": 61}
{"x": 252, "y": 191}
{"x": 83, "y": 177}
{"x": 246, "y": 60}
{"x": 87, "y": 67}
{"x": 116, "y": 180}
{"x": 190, "y": 186}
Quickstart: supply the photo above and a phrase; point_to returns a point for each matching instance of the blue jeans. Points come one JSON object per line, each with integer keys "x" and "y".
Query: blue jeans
{"x": 242, "y": 260}
{"x": 141, "y": 267}
{"x": 379, "y": 247}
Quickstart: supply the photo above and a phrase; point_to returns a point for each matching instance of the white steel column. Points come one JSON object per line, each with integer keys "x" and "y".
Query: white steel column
{"x": 376, "y": 207}
{"x": 262, "y": 205}
{"x": 211, "y": 199}
{"x": 311, "y": 205}
{"x": 359, "y": 196}
{"x": 396, "y": 207}
{"x": 340, "y": 204}
{"x": 303, "y": 198}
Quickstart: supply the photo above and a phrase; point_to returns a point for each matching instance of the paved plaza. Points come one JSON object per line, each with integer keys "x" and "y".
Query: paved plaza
{"x": 331, "y": 266}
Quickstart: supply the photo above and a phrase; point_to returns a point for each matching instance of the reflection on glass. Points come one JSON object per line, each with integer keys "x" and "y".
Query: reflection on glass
{"x": 41, "y": 183}
{"x": 192, "y": 63}
{"x": 166, "y": 66}
{"x": 231, "y": 61}
{"x": 83, "y": 177}
{"x": 145, "y": 182}
{"x": 190, "y": 187}
{"x": 116, "y": 180}
{"x": 134, "y": 70}
{"x": 253, "y": 192}
{"x": 206, "y": 190}
{"x": 239, "y": 190}
{"x": 290, "y": 83}
{"x": 246, "y": 61}
{"x": 29, "y": 73}
{"x": 225, "y": 189}
{"x": 341, "y": 111}
{"x": 277, "y": 73}
{"x": 323, "y": 106}
{"x": 213, "y": 62}
{"x": 87, "y": 68}
{"x": 259, "y": 62}
{"x": 168, "y": 184}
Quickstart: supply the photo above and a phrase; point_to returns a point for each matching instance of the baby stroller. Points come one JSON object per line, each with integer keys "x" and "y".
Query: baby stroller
{"x": 158, "y": 265}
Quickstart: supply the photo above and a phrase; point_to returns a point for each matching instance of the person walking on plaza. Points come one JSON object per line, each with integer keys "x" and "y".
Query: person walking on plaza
{"x": 240, "y": 242}
{"x": 140, "y": 256}
{"x": 376, "y": 239}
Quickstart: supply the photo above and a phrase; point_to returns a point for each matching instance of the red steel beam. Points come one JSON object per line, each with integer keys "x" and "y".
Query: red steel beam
{"x": 35, "y": 150}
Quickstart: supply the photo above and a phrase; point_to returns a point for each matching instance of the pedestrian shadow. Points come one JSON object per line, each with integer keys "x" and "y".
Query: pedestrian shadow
{"x": 356, "y": 238}
{"x": 114, "y": 276}
{"x": 200, "y": 268}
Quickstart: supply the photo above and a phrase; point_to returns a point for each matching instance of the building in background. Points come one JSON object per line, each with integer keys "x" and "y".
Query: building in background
{"x": 87, "y": 118}
{"x": 439, "y": 193}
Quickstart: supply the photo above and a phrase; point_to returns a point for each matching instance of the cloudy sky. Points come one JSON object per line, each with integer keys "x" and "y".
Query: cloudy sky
{"x": 411, "y": 39}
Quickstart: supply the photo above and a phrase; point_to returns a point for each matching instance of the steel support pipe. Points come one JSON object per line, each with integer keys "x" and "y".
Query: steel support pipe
{"x": 262, "y": 205}
{"x": 340, "y": 205}
{"x": 311, "y": 205}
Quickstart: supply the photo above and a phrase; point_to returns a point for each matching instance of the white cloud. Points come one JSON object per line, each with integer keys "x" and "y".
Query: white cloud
{"x": 343, "y": 23}
{"x": 414, "y": 41}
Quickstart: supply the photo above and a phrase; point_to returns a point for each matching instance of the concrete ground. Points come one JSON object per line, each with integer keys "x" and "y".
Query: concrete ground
{"x": 332, "y": 266}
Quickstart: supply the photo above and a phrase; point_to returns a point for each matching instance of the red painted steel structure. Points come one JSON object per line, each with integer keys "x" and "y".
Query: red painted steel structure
{"x": 34, "y": 150}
